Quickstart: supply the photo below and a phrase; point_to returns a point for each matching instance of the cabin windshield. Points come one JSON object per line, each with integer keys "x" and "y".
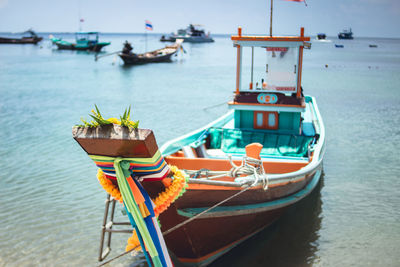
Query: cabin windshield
{"x": 273, "y": 69}
{"x": 86, "y": 36}
{"x": 281, "y": 69}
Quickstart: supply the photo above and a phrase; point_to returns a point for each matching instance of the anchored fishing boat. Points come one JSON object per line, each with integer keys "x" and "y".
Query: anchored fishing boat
{"x": 32, "y": 38}
{"x": 190, "y": 35}
{"x": 85, "y": 41}
{"x": 213, "y": 188}
{"x": 345, "y": 34}
{"x": 160, "y": 55}
{"x": 321, "y": 36}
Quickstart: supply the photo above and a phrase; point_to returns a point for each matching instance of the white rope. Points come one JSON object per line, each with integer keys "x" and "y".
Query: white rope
{"x": 249, "y": 166}
{"x": 245, "y": 167}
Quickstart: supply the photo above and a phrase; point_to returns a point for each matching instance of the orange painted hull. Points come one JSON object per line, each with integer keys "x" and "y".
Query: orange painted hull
{"x": 202, "y": 240}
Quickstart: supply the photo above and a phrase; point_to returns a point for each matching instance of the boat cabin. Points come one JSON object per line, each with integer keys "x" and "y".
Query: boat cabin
{"x": 268, "y": 106}
{"x": 85, "y": 38}
{"x": 268, "y": 92}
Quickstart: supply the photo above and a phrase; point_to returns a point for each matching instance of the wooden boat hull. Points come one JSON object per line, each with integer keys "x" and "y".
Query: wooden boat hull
{"x": 137, "y": 59}
{"x": 345, "y": 37}
{"x": 4, "y": 40}
{"x": 94, "y": 48}
{"x": 203, "y": 240}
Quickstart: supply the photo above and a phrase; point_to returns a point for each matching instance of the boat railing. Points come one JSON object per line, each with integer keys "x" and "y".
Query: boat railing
{"x": 176, "y": 144}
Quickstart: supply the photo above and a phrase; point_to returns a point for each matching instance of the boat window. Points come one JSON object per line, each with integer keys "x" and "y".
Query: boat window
{"x": 259, "y": 119}
{"x": 265, "y": 120}
{"x": 271, "y": 120}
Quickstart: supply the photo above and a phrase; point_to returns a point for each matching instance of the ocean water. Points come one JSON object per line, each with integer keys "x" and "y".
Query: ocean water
{"x": 52, "y": 205}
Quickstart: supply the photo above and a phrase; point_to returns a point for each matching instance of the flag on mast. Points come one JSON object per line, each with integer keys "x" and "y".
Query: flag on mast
{"x": 297, "y": 1}
{"x": 148, "y": 25}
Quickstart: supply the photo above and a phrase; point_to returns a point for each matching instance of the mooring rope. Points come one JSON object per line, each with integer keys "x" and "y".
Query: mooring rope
{"x": 205, "y": 211}
{"x": 116, "y": 257}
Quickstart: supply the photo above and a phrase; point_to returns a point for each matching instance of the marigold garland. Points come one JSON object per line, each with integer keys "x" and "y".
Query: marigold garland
{"x": 108, "y": 186}
{"x": 162, "y": 201}
{"x": 172, "y": 192}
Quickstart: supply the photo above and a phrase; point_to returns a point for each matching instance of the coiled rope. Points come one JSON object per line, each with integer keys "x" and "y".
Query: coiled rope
{"x": 249, "y": 166}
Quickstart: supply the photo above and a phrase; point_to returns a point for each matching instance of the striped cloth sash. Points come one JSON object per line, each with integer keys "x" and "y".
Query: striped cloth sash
{"x": 140, "y": 210}
{"x": 151, "y": 169}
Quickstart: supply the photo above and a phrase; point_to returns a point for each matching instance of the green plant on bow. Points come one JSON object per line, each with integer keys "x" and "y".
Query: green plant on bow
{"x": 98, "y": 120}
{"x": 125, "y": 120}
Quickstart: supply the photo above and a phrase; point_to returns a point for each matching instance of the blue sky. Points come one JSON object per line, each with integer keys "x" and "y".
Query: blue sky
{"x": 367, "y": 18}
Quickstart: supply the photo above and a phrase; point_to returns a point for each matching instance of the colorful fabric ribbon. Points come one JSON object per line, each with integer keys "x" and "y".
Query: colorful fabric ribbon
{"x": 139, "y": 206}
{"x": 151, "y": 169}
{"x": 141, "y": 211}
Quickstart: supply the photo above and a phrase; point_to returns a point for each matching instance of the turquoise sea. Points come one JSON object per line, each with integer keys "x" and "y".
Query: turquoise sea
{"x": 52, "y": 204}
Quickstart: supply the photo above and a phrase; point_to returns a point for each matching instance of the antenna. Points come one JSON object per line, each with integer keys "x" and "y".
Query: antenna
{"x": 270, "y": 22}
{"x": 79, "y": 16}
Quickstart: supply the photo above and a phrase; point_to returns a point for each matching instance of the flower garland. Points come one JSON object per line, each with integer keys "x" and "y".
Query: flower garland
{"x": 172, "y": 192}
{"x": 108, "y": 186}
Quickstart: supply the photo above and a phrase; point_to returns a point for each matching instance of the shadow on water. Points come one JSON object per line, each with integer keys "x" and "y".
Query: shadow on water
{"x": 290, "y": 241}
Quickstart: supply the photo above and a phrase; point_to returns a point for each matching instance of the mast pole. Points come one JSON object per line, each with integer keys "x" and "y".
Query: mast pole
{"x": 270, "y": 22}
{"x": 145, "y": 44}
{"x": 252, "y": 66}
{"x": 79, "y": 16}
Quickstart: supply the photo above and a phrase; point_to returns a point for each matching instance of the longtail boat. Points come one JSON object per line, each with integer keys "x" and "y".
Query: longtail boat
{"x": 213, "y": 188}
{"x": 160, "y": 55}
{"x": 32, "y": 38}
{"x": 85, "y": 41}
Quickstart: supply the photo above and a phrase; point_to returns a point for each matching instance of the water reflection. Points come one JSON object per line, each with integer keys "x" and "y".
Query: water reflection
{"x": 291, "y": 241}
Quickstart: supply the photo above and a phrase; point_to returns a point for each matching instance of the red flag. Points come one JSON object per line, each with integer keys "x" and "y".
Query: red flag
{"x": 297, "y": 1}
{"x": 148, "y": 25}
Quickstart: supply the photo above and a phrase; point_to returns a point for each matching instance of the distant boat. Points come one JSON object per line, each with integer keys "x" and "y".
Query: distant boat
{"x": 339, "y": 45}
{"x": 346, "y": 34}
{"x": 31, "y": 39}
{"x": 373, "y": 45}
{"x": 159, "y": 55}
{"x": 86, "y": 41}
{"x": 190, "y": 35}
{"x": 166, "y": 39}
{"x": 321, "y": 36}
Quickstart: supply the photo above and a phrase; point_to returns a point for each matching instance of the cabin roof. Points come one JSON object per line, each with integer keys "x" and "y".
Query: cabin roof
{"x": 87, "y": 32}
{"x": 253, "y": 38}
